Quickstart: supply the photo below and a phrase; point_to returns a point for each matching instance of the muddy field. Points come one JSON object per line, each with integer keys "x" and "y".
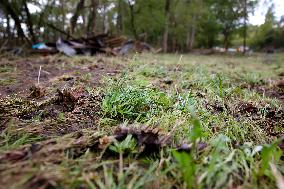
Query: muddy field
{"x": 142, "y": 121}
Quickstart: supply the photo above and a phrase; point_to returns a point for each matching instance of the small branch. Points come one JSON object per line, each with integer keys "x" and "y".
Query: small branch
{"x": 120, "y": 166}
{"x": 38, "y": 75}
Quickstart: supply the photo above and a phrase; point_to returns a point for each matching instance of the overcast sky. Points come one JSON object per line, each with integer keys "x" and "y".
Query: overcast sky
{"x": 261, "y": 9}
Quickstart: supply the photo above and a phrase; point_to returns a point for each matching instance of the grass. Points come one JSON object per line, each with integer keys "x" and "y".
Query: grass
{"x": 193, "y": 99}
{"x": 133, "y": 102}
{"x": 12, "y": 140}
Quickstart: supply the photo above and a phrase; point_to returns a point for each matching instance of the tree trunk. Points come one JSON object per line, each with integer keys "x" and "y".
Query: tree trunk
{"x": 245, "y": 27}
{"x": 95, "y": 5}
{"x": 10, "y": 11}
{"x": 8, "y": 29}
{"x": 132, "y": 20}
{"x": 29, "y": 21}
{"x": 166, "y": 27}
{"x": 226, "y": 41}
{"x": 191, "y": 34}
{"x": 119, "y": 17}
{"x": 105, "y": 19}
{"x": 74, "y": 18}
{"x": 190, "y": 38}
{"x": 63, "y": 12}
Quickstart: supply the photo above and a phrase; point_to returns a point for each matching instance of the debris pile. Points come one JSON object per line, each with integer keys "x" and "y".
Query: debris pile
{"x": 102, "y": 43}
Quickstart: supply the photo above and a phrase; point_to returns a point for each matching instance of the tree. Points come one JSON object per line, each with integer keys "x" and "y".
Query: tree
{"x": 209, "y": 29}
{"x": 196, "y": 8}
{"x": 119, "y": 17}
{"x": 265, "y": 34}
{"x": 95, "y": 5}
{"x": 166, "y": 30}
{"x": 29, "y": 21}
{"x": 131, "y": 4}
{"x": 75, "y": 16}
{"x": 245, "y": 27}
{"x": 8, "y": 7}
{"x": 228, "y": 13}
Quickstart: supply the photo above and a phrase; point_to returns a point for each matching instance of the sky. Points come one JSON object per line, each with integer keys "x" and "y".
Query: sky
{"x": 260, "y": 11}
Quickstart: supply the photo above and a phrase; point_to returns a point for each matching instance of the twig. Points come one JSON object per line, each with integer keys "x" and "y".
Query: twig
{"x": 180, "y": 58}
{"x": 38, "y": 75}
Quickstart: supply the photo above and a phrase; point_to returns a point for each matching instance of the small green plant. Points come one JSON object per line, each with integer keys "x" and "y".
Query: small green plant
{"x": 61, "y": 117}
{"x": 127, "y": 145}
{"x": 186, "y": 103}
{"x": 269, "y": 154}
{"x": 187, "y": 162}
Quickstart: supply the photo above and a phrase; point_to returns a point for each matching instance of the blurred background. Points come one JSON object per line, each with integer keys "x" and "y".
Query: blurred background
{"x": 171, "y": 25}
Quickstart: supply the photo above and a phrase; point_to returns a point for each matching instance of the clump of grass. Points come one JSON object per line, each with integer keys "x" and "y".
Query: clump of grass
{"x": 10, "y": 139}
{"x": 132, "y": 102}
{"x": 6, "y": 68}
{"x": 8, "y": 81}
{"x": 147, "y": 71}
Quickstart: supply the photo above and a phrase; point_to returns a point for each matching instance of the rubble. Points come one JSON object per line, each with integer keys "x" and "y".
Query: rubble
{"x": 102, "y": 43}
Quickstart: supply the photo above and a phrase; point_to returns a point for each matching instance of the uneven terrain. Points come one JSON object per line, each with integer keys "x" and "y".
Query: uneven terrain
{"x": 142, "y": 121}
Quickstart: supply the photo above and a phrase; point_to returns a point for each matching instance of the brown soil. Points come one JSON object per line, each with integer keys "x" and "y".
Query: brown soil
{"x": 24, "y": 72}
{"x": 62, "y": 103}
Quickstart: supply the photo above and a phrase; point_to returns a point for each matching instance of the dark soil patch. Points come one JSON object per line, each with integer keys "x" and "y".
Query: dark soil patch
{"x": 271, "y": 120}
{"x": 24, "y": 73}
{"x": 61, "y": 104}
{"x": 273, "y": 89}
{"x": 64, "y": 113}
{"x": 273, "y": 92}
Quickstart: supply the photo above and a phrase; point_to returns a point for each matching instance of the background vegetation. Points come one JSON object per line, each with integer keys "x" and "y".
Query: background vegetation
{"x": 175, "y": 25}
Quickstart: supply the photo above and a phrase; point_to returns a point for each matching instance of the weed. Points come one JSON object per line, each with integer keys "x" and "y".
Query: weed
{"x": 127, "y": 145}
